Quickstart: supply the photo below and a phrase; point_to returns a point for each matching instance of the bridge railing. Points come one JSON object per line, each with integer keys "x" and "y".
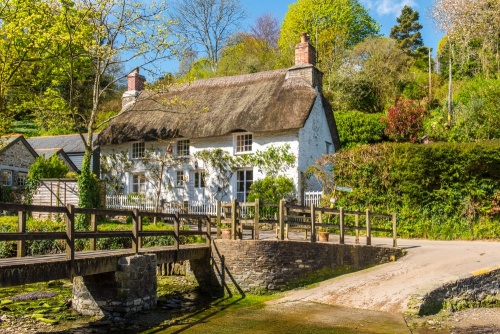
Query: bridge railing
{"x": 70, "y": 235}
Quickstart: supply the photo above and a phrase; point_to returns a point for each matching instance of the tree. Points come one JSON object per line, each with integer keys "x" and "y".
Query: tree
{"x": 267, "y": 28}
{"x": 246, "y": 54}
{"x": 109, "y": 34}
{"x": 333, "y": 26}
{"x": 372, "y": 76}
{"x": 207, "y": 23}
{"x": 407, "y": 31}
{"x": 474, "y": 26}
{"x": 28, "y": 28}
{"x": 42, "y": 168}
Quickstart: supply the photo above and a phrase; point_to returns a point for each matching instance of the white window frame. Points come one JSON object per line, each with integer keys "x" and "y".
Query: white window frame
{"x": 182, "y": 149}
{"x": 6, "y": 181}
{"x": 180, "y": 178}
{"x": 243, "y": 143}
{"x": 246, "y": 186}
{"x": 21, "y": 178}
{"x": 137, "y": 150}
{"x": 199, "y": 179}
{"x": 138, "y": 184}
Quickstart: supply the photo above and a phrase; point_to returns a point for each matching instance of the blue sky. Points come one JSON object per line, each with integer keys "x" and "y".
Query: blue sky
{"x": 384, "y": 12}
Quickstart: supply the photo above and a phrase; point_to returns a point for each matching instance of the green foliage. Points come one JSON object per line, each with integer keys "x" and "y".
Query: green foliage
{"x": 439, "y": 191}
{"x": 337, "y": 24}
{"x": 357, "y": 128}
{"x": 247, "y": 54}
{"x": 407, "y": 31}
{"x": 220, "y": 165}
{"x": 6, "y": 194}
{"x": 43, "y": 168}
{"x": 372, "y": 75}
{"x": 271, "y": 189}
{"x": 89, "y": 193}
{"x": 405, "y": 121}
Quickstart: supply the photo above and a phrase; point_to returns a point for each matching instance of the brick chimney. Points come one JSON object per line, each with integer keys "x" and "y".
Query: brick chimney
{"x": 135, "y": 84}
{"x": 304, "y": 52}
{"x": 135, "y": 81}
{"x": 305, "y": 64}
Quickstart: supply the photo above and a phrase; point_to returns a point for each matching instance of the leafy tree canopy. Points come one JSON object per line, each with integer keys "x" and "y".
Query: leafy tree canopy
{"x": 332, "y": 24}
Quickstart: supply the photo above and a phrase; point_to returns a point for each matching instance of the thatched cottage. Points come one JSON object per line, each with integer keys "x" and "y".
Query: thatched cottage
{"x": 239, "y": 114}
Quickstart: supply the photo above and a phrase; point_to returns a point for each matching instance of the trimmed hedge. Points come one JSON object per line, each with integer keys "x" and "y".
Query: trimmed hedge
{"x": 439, "y": 191}
{"x": 356, "y": 128}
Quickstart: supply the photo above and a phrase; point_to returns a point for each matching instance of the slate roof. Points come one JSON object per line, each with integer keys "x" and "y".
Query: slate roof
{"x": 69, "y": 143}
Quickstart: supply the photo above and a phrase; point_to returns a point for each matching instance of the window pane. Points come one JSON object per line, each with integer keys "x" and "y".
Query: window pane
{"x": 244, "y": 143}
{"x": 183, "y": 147}
{"x": 137, "y": 150}
{"x": 6, "y": 177}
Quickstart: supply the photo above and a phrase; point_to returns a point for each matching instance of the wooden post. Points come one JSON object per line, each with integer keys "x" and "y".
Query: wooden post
{"x": 234, "y": 218}
{"x": 93, "y": 228}
{"x": 313, "y": 223}
{"x": 176, "y": 231}
{"x": 21, "y": 228}
{"x": 70, "y": 235}
{"x": 356, "y": 224}
{"x": 394, "y": 232}
{"x": 135, "y": 230}
{"x": 218, "y": 219}
{"x": 368, "y": 228}
{"x": 208, "y": 239}
{"x": 256, "y": 219}
{"x": 341, "y": 225}
{"x": 281, "y": 220}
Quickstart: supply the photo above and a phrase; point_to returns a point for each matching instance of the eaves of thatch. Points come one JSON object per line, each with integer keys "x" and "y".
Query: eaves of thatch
{"x": 259, "y": 103}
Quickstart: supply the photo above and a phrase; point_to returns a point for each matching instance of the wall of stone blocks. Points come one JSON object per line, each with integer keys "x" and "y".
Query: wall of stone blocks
{"x": 270, "y": 266}
{"x": 130, "y": 289}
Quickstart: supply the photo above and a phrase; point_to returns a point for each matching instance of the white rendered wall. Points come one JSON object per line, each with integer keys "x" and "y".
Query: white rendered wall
{"x": 313, "y": 137}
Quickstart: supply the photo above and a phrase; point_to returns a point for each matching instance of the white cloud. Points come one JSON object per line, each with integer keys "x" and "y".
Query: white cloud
{"x": 388, "y": 7}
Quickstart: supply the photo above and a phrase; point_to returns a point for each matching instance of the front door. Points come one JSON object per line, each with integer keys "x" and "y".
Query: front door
{"x": 244, "y": 179}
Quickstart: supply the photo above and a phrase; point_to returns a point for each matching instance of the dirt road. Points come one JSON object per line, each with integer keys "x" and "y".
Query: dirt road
{"x": 388, "y": 287}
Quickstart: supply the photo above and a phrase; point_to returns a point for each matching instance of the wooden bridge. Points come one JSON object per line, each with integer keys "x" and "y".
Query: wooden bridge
{"x": 23, "y": 270}
{"x": 282, "y": 217}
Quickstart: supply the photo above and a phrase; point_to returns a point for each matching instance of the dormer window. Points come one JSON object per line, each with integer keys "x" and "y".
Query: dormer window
{"x": 138, "y": 149}
{"x": 183, "y": 148}
{"x": 243, "y": 143}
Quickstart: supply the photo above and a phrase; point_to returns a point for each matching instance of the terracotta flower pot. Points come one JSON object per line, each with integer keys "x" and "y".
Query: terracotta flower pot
{"x": 323, "y": 236}
{"x": 226, "y": 233}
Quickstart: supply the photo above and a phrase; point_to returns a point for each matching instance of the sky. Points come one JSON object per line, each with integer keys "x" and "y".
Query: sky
{"x": 384, "y": 12}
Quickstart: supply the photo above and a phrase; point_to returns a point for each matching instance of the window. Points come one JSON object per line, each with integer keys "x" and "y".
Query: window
{"x": 6, "y": 177}
{"x": 199, "y": 179}
{"x": 244, "y": 143}
{"x": 243, "y": 182}
{"x": 21, "y": 178}
{"x": 183, "y": 148}
{"x": 179, "y": 178}
{"x": 137, "y": 150}
{"x": 138, "y": 184}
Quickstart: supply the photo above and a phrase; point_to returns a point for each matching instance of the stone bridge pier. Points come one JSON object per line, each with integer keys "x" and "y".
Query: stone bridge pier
{"x": 129, "y": 289}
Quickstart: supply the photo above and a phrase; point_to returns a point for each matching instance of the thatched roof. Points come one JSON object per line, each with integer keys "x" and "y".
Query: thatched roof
{"x": 257, "y": 103}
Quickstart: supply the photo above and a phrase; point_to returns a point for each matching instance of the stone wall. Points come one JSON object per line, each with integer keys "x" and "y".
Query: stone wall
{"x": 132, "y": 288}
{"x": 480, "y": 290}
{"x": 269, "y": 266}
{"x": 17, "y": 156}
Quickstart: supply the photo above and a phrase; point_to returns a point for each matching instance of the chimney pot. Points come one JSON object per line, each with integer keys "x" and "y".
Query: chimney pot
{"x": 304, "y": 38}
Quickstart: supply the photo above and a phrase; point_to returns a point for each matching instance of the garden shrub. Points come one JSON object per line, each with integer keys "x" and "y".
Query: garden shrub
{"x": 440, "y": 190}
{"x": 357, "y": 128}
{"x": 405, "y": 121}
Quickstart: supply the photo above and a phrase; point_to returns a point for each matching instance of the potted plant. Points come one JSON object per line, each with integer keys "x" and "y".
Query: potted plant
{"x": 225, "y": 230}
{"x": 323, "y": 234}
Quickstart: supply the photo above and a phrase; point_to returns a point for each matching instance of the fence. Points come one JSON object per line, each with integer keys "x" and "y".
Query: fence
{"x": 148, "y": 204}
{"x": 312, "y": 198}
